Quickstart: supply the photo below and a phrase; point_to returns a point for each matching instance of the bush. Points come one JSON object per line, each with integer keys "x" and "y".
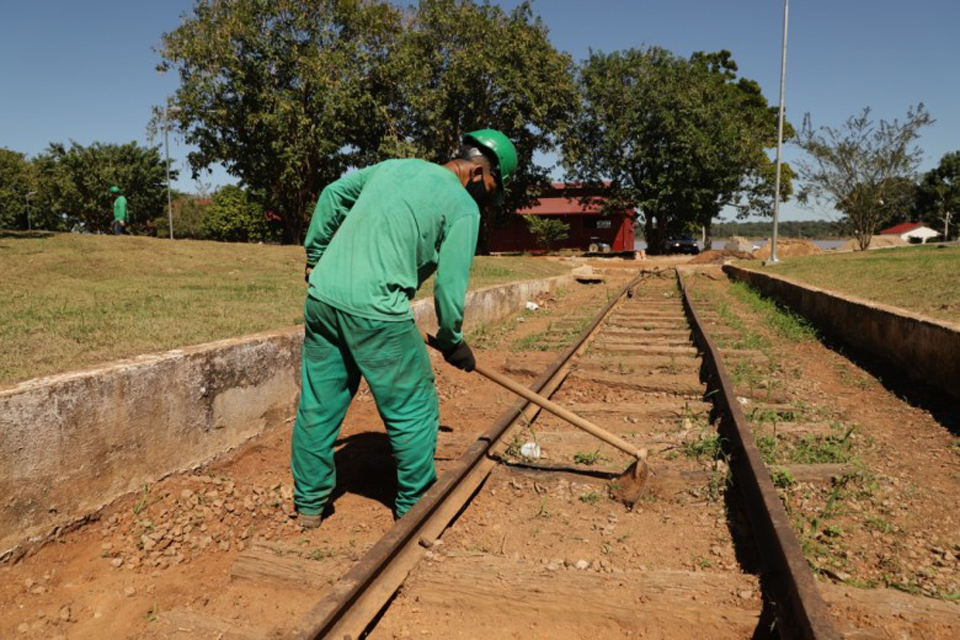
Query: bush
{"x": 232, "y": 215}
{"x": 188, "y": 214}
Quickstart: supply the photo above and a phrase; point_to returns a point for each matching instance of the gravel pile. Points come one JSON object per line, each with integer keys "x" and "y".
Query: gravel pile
{"x": 176, "y": 525}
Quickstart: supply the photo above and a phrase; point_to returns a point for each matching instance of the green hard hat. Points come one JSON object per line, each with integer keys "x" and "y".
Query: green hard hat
{"x": 501, "y": 147}
{"x": 114, "y": 189}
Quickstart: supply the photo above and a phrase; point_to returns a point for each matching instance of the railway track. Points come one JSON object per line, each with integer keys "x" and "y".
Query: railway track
{"x": 648, "y": 369}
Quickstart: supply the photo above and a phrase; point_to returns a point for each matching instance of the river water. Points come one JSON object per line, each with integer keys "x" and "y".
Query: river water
{"x": 718, "y": 243}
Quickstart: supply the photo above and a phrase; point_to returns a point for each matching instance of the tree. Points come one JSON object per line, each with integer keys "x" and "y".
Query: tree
{"x": 286, "y": 94}
{"x": 860, "y": 166}
{"x": 73, "y": 184}
{"x": 16, "y": 181}
{"x": 546, "y": 231}
{"x": 938, "y": 194}
{"x": 678, "y": 139}
{"x": 462, "y": 66}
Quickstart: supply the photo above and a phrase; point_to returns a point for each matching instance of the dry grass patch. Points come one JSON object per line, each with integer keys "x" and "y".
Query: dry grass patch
{"x": 71, "y": 301}
{"x": 919, "y": 279}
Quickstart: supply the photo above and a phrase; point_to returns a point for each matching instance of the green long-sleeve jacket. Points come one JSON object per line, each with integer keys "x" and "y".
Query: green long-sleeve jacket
{"x": 378, "y": 233}
{"x": 120, "y": 209}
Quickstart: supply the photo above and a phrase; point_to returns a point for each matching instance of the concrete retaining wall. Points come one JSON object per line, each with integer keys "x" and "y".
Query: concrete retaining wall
{"x": 925, "y": 349}
{"x": 71, "y": 443}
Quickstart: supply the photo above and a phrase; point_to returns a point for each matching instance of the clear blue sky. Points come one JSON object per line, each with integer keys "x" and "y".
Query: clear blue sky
{"x": 86, "y": 70}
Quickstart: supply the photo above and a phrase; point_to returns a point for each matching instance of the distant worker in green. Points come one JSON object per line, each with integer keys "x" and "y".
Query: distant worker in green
{"x": 119, "y": 212}
{"x": 376, "y": 235}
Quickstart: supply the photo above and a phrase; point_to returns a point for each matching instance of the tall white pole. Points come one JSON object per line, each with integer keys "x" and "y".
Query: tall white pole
{"x": 783, "y": 82}
{"x": 29, "y": 224}
{"x": 166, "y": 151}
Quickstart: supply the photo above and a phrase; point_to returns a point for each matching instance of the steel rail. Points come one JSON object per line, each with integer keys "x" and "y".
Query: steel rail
{"x": 802, "y": 611}
{"x": 327, "y": 617}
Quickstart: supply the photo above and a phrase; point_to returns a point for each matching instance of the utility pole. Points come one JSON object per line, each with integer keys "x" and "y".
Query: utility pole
{"x": 27, "y": 207}
{"x": 783, "y": 79}
{"x": 166, "y": 150}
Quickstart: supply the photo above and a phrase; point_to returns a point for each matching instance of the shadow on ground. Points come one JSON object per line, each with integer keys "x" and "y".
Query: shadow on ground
{"x": 11, "y": 234}
{"x": 937, "y": 402}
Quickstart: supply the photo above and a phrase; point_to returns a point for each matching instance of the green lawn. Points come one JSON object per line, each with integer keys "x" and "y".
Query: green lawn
{"x": 70, "y": 301}
{"x": 924, "y": 279}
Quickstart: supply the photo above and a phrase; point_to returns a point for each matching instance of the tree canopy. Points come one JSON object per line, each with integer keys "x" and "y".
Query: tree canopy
{"x": 938, "y": 194}
{"x": 290, "y": 94}
{"x": 283, "y": 93}
{"x": 463, "y": 66}
{"x": 680, "y": 139}
{"x": 860, "y": 167}
{"x": 16, "y": 181}
{"x": 73, "y": 185}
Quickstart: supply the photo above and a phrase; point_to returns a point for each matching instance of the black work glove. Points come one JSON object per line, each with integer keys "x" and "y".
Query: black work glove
{"x": 460, "y": 356}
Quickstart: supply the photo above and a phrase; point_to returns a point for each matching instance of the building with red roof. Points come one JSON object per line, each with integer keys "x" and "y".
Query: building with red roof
{"x": 589, "y": 226}
{"x": 911, "y": 232}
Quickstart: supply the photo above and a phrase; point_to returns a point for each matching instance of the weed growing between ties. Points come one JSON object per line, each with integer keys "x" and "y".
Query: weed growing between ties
{"x": 556, "y": 336}
{"x": 588, "y": 458}
{"x": 779, "y": 448}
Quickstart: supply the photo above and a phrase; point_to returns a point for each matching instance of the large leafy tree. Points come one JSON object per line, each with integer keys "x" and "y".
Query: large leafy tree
{"x": 73, "y": 184}
{"x": 463, "y": 65}
{"x": 286, "y": 94}
{"x": 860, "y": 166}
{"x": 678, "y": 138}
{"x": 938, "y": 194}
{"x": 16, "y": 182}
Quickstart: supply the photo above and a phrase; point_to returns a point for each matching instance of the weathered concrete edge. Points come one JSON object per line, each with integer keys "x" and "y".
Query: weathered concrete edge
{"x": 926, "y": 349}
{"x": 72, "y": 443}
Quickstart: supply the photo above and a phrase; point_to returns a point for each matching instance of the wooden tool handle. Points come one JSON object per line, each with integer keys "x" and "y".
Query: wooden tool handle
{"x": 560, "y": 412}
{"x": 552, "y": 407}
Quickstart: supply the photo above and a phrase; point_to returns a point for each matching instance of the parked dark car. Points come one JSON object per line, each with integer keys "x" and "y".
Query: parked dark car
{"x": 682, "y": 244}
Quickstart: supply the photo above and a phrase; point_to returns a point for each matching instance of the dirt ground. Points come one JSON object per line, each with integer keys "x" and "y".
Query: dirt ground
{"x": 163, "y": 563}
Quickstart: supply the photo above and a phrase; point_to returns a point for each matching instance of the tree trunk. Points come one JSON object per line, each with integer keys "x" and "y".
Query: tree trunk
{"x": 653, "y": 234}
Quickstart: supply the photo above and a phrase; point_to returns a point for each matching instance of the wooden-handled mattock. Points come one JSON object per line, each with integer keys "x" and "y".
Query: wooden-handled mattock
{"x": 557, "y": 410}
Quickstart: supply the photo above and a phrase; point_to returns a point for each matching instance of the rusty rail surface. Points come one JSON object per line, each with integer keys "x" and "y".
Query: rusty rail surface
{"x": 801, "y": 610}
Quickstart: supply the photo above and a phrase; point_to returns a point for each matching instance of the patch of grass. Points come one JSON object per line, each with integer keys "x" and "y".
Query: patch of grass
{"x": 921, "y": 279}
{"x": 782, "y": 321}
{"x": 71, "y": 301}
{"x": 543, "y": 513}
{"x": 823, "y": 449}
{"x": 143, "y": 502}
{"x": 876, "y": 523}
{"x": 320, "y": 554}
{"x": 710, "y": 447}
{"x": 590, "y": 498}
{"x": 154, "y": 613}
{"x": 588, "y": 458}
{"x": 782, "y": 479}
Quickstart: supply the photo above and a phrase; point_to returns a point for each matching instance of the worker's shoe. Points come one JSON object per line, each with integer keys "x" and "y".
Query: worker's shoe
{"x": 309, "y": 521}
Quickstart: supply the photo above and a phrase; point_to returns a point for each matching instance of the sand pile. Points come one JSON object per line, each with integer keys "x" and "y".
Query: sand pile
{"x": 714, "y": 256}
{"x": 876, "y": 242}
{"x": 739, "y": 243}
{"x": 789, "y": 248}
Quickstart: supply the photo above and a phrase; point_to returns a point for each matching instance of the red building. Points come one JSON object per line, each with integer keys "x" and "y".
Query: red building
{"x": 587, "y": 226}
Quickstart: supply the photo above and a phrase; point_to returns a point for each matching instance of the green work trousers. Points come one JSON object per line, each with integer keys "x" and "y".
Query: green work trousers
{"x": 337, "y": 349}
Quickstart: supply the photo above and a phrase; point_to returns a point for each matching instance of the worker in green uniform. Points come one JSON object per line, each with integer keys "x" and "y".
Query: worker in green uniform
{"x": 376, "y": 235}
{"x": 119, "y": 212}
